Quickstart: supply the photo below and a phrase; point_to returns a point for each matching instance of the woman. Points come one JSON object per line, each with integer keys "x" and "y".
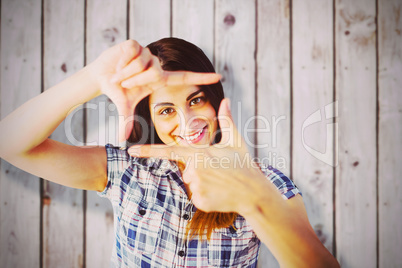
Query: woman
{"x": 180, "y": 213}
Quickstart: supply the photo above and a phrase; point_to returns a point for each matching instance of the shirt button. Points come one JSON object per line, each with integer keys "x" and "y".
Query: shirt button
{"x": 181, "y": 253}
{"x": 142, "y": 212}
{"x": 186, "y": 216}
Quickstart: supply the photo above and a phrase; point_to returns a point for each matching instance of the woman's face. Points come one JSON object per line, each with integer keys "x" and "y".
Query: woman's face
{"x": 182, "y": 115}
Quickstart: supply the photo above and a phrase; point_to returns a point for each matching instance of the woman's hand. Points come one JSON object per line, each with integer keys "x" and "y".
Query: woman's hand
{"x": 221, "y": 177}
{"x": 127, "y": 73}
{"x": 224, "y": 178}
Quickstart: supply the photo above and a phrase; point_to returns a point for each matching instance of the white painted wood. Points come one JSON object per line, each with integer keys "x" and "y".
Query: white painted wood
{"x": 234, "y": 56}
{"x": 273, "y": 102}
{"x": 106, "y": 26}
{"x": 194, "y": 21}
{"x": 273, "y": 93}
{"x": 312, "y": 49}
{"x": 20, "y": 81}
{"x": 312, "y": 161}
{"x": 390, "y": 133}
{"x": 356, "y": 95}
{"x": 149, "y": 21}
{"x": 63, "y": 217}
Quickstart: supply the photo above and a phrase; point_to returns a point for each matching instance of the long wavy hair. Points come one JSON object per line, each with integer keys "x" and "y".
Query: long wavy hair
{"x": 179, "y": 55}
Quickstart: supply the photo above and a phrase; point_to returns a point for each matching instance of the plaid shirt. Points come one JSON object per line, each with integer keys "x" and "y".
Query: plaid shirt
{"x": 151, "y": 211}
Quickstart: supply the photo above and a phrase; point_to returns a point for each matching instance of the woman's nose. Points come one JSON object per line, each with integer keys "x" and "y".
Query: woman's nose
{"x": 189, "y": 120}
{"x": 193, "y": 120}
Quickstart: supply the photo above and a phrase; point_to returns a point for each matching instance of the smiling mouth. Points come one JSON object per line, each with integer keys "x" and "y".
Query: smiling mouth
{"x": 194, "y": 137}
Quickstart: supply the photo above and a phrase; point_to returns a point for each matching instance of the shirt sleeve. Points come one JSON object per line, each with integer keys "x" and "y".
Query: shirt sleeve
{"x": 285, "y": 186}
{"x": 117, "y": 162}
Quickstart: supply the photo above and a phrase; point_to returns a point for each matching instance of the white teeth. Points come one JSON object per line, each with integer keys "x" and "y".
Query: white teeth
{"x": 193, "y": 137}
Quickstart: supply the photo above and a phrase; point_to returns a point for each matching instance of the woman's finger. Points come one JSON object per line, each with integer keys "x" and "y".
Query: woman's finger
{"x": 174, "y": 153}
{"x": 130, "y": 49}
{"x": 152, "y": 74}
{"x": 136, "y": 66}
{"x": 126, "y": 101}
{"x": 174, "y": 78}
{"x": 155, "y": 75}
{"x": 119, "y": 98}
{"x": 226, "y": 124}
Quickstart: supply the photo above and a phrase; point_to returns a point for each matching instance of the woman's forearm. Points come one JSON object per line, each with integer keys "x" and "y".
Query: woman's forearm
{"x": 34, "y": 121}
{"x": 127, "y": 63}
{"x": 283, "y": 226}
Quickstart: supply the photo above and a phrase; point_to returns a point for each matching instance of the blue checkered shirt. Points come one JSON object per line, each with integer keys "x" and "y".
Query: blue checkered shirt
{"x": 151, "y": 211}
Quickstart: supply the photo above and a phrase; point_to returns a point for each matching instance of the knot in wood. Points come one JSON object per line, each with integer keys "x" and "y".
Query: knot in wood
{"x": 229, "y": 20}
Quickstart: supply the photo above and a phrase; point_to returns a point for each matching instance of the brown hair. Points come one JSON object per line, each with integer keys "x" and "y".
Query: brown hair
{"x": 179, "y": 55}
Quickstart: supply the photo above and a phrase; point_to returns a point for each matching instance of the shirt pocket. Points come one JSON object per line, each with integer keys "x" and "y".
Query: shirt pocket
{"x": 141, "y": 225}
{"x": 229, "y": 247}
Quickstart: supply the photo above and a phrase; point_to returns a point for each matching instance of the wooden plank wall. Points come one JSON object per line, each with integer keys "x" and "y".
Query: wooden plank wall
{"x": 312, "y": 86}
{"x": 356, "y": 173}
{"x": 20, "y": 215}
{"x": 63, "y": 54}
{"x": 389, "y": 96}
{"x": 320, "y": 80}
{"x": 101, "y": 34}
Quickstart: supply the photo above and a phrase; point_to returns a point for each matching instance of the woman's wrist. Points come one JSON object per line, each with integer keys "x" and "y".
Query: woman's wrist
{"x": 91, "y": 80}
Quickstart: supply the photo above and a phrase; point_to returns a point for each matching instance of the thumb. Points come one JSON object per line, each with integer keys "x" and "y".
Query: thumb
{"x": 125, "y": 110}
{"x": 226, "y": 124}
{"x": 126, "y": 100}
{"x": 126, "y": 121}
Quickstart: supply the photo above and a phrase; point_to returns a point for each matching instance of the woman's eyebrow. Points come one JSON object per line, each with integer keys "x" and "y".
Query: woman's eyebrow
{"x": 164, "y": 104}
{"x": 193, "y": 94}
{"x": 171, "y": 104}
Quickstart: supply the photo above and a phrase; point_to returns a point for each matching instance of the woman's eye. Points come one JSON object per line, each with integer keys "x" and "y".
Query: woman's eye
{"x": 196, "y": 100}
{"x": 167, "y": 111}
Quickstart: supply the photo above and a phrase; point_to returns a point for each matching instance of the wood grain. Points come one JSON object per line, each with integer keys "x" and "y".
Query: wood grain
{"x": 356, "y": 172}
{"x": 389, "y": 133}
{"x": 106, "y": 26}
{"x": 63, "y": 206}
{"x": 20, "y": 81}
{"x": 294, "y": 79}
{"x": 194, "y": 21}
{"x": 273, "y": 93}
{"x": 312, "y": 79}
{"x": 147, "y": 23}
{"x": 235, "y": 60}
